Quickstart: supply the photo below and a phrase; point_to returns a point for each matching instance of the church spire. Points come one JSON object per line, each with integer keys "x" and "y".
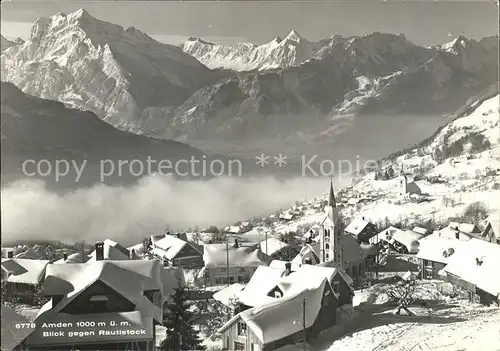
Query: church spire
{"x": 331, "y": 199}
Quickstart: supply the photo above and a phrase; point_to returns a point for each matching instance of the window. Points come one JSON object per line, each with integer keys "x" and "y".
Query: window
{"x": 360, "y": 269}
{"x": 242, "y": 329}
{"x": 242, "y": 269}
{"x": 239, "y": 346}
{"x": 327, "y": 256}
{"x": 327, "y": 246}
{"x": 231, "y": 280}
{"x": 327, "y": 233}
{"x": 252, "y": 347}
{"x": 336, "y": 287}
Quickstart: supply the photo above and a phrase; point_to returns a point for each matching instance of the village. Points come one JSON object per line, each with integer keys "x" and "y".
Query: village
{"x": 406, "y": 248}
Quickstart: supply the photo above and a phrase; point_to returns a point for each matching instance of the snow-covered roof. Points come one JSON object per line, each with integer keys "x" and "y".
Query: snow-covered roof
{"x": 477, "y": 262}
{"x": 76, "y": 257}
{"x": 352, "y": 201}
{"x": 283, "y": 316}
{"x": 12, "y": 337}
{"x": 408, "y": 238}
{"x": 71, "y": 280}
{"x": 357, "y": 225}
{"x": 287, "y": 216}
{"x": 24, "y": 270}
{"x": 438, "y": 249}
{"x": 420, "y": 230}
{"x": 215, "y": 255}
{"x": 467, "y": 228}
{"x": 273, "y": 245}
{"x": 30, "y": 253}
{"x": 494, "y": 221}
{"x": 262, "y": 281}
{"x": 170, "y": 246}
{"x": 451, "y": 233}
{"x": 309, "y": 251}
{"x": 112, "y": 251}
{"x": 225, "y": 295}
{"x": 156, "y": 237}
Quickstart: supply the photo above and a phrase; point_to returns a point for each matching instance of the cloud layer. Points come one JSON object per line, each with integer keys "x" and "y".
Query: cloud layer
{"x": 30, "y": 211}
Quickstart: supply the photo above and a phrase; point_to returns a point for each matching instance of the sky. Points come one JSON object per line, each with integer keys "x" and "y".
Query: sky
{"x": 424, "y": 22}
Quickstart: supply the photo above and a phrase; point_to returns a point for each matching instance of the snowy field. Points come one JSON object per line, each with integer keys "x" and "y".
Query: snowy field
{"x": 449, "y": 324}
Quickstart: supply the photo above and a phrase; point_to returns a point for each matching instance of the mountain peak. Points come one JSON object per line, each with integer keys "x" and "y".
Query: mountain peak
{"x": 294, "y": 36}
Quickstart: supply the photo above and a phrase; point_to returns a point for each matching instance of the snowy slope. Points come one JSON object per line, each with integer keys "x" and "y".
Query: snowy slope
{"x": 278, "y": 53}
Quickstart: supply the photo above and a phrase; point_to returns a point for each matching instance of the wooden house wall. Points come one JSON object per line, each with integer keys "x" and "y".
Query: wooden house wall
{"x": 345, "y": 291}
{"x": 325, "y": 319}
{"x": 115, "y": 303}
{"x": 231, "y": 335}
{"x": 430, "y": 269}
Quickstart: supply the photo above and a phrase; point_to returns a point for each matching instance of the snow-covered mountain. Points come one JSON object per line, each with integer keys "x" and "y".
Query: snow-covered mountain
{"x": 340, "y": 92}
{"x": 98, "y": 66}
{"x": 278, "y": 53}
{"x": 334, "y": 97}
{"x": 6, "y": 43}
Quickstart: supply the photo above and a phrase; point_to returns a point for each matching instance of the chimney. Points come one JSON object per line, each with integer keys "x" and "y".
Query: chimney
{"x": 236, "y": 244}
{"x": 288, "y": 268}
{"x": 457, "y": 235}
{"x": 309, "y": 240}
{"x": 131, "y": 254}
{"x": 99, "y": 251}
{"x": 10, "y": 254}
{"x": 65, "y": 256}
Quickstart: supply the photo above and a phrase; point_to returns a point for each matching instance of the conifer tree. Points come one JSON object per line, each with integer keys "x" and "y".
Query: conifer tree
{"x": 180, "y": 333}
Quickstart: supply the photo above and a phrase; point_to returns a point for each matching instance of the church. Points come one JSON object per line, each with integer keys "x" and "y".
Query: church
{"x": 407, "y": 188}
{"x": 337, "y": 248}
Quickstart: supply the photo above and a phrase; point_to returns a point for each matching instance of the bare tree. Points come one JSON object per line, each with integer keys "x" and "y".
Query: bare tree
{"x": 402, "y": 294}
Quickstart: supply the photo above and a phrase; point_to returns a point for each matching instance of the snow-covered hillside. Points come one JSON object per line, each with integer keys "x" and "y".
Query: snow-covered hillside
{"x": 448, "y": 184}
{"x": 278, "y": 53}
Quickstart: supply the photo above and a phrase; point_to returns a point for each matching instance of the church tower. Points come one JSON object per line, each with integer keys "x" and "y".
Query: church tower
{"x": 331, "y": 230}
{"x": 403, "y": 183}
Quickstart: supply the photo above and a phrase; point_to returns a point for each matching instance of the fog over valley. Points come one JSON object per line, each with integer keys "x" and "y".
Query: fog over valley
{"x": 128, "y": 214}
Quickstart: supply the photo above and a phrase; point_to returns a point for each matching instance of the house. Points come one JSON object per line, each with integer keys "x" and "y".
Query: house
{"x": 420, "y": 230}
{"x": 32, "y": 254}
{"x": 491, "y": 232}
{"x": 404, "y": 241}
{"x": 341, "y": 283}
{"x": 272, "y": 245}
{"x": 104, "y": 304}
{"x": 228, "y": 264}
{"x": 435, "y": 252}
{"x": 177, "y": 252}
{"x": 467, "y": 228}
{"x": 111, "y": 250}
{"x": 406, "y": 187}
{"x": 228, "y": 297}
{"x": 336, "y": 245}
{"x": 362, "y": 229}
{"x": 77, "y": 257}
{"x": 12, "y": 337}
{"x": 287, "y": 216}
{"x": 23, "y": 275}
{"x": 474, "y": 268}
{"x": 309, "y": 254}
{"x": 296, "y": 303}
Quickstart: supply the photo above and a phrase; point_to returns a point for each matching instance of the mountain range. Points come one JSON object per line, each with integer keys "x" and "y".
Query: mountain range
{"x": 338, "y": 97}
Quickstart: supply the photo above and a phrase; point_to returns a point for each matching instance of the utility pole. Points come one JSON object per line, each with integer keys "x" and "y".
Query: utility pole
{"x": 304, "y": 323}
{"x": 266, "y": 242}
{"x": 227, "y": 259}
